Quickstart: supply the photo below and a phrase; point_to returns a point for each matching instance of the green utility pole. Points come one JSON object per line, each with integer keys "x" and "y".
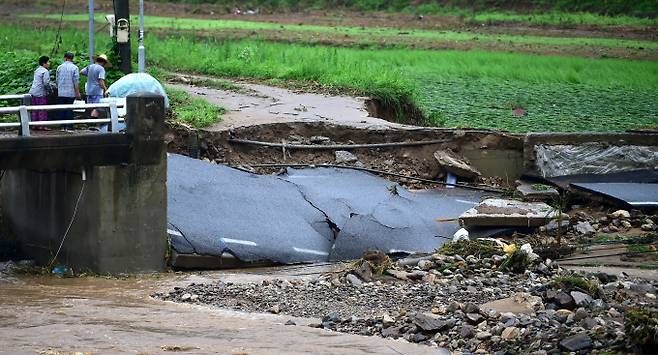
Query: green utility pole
{"x": 122, "y": 25}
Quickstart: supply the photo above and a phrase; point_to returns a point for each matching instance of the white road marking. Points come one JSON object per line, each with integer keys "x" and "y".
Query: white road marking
{"x": 238, "y": 241}
{"x": 393, "y": 251}
{"x": 174, "y": 232}
{"x": 468, "y": 202}
{"x": 310, "y": 251}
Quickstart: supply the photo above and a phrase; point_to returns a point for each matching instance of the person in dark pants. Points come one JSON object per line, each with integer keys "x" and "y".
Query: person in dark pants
{"x": 68, "y": 86}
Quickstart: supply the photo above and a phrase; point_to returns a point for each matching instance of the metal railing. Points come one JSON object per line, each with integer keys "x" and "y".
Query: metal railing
{"x": 26, "y": 98}
{"x": 24, "y": 123}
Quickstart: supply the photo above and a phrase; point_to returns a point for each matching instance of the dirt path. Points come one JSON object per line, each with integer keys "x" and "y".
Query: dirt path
{"x": 109, "y": 316}
{"x": 260, "y": 104}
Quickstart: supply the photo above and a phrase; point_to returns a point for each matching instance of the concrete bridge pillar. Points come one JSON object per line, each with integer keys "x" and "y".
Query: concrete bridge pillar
{"x": 102, "y": 219}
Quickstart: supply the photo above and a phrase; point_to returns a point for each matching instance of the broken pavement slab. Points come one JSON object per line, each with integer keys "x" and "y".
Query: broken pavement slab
{"x": 305, "y": 215}
{"x": 636, "y": 195}
{"x": 455, "y": 164}
{"x": 537, "y": 192}
{"x": 502, "y": 212}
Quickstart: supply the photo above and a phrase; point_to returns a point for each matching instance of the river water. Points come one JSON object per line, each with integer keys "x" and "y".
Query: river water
{"x": 52, "y": 315}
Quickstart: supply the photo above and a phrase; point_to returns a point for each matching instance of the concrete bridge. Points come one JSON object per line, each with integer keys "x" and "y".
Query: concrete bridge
{"x": 94, "y": 201}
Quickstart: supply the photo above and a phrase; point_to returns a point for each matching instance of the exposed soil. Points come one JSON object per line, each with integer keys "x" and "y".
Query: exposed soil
{"x": 277, "y": 115}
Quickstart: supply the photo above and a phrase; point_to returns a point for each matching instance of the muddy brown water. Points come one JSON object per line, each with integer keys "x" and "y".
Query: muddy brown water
{"x": 118, "y": 316}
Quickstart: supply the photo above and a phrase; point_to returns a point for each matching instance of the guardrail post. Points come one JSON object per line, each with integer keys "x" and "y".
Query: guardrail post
{"x": 25, "y": 121}
{"x": 114, "y": 117}
{"x": 26, "y": 100}
{"x": 145, "y": 123}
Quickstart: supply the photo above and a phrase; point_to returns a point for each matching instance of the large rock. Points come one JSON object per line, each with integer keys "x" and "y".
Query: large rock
{"x": 455, "y": 164}
{"x": 584, "y": 228}
{"x": 577, "y": 342}
{"x": 565, "y": 301}
{"x": 343, "y": 156}
{"x": 580, "y": 298}
{"x": 510, "y": 333}
{"x": 520, "y": 302}
{"x": 431, "y": 323}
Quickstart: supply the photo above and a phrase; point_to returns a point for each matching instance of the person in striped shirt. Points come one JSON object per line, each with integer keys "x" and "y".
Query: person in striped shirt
{"x": 68, "y": 85}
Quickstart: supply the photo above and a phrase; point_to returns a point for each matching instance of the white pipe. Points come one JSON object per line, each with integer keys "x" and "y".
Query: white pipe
{"x": 141, "y": 55}
{"x": 92, "y": 45}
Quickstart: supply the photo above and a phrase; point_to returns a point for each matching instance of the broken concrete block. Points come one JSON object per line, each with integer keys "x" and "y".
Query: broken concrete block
{"x": 455, "y": 164}
{"x": 502, "y": 212}
{"x": 537, "y": 192}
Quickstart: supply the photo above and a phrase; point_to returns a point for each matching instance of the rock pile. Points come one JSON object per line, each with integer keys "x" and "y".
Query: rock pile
{"x": 615, "y": 222}
{"x": 463, "y": 303}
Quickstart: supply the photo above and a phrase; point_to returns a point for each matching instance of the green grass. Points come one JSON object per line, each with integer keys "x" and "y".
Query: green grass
{"x": 561, "y": 18}
{"x": 575, "y": 283}
{"x": 195, "y": 112}
{"x": 454, "y": 89}
{"x": 157, "y": 22}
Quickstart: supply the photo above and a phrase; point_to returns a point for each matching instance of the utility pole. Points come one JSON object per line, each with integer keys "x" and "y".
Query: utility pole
{"x": 121, "y": 15}
{"x": 92, "y": 44}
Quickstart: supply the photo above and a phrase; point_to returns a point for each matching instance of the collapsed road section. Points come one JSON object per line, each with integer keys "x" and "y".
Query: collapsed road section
{"x": 218, "y": 215}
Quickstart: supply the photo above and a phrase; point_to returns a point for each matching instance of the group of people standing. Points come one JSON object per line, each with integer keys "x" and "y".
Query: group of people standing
{"x": 67, "y": 80}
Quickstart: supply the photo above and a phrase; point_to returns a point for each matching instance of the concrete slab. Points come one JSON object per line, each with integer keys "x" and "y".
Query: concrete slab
{"x": 502, "y": 212}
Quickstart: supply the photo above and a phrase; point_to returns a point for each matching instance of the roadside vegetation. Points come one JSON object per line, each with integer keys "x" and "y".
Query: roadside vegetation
{"x": 475, "y": 89}
{"x": 197, "y": 113}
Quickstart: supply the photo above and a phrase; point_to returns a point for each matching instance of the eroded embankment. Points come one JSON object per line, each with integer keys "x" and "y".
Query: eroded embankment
{"x": 494, "y": 154}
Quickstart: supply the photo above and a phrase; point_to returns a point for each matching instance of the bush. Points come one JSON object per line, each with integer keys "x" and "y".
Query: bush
{"x": 641, "y": 327}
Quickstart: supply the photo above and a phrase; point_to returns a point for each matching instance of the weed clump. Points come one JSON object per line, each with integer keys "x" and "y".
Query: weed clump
{"x": 376, "y": 260}
{"x": 517, "y": 262}
{"x": 575, "y": 283}
{"x": 478, "y": 248}
{"x": 641, "y": 327}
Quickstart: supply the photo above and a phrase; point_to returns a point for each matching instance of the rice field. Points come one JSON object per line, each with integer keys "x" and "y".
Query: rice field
{"x": 476, "y": 89}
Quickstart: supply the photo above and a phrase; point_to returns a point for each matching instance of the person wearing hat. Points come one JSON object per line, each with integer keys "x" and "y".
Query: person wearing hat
{"x": 68, "y": 85}
{"x": 95, "y": 87}
{"x": 41, "y": 89}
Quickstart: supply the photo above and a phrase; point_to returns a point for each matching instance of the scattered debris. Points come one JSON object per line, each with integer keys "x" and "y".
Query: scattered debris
{"x": 462, "y": 302}
{"x": 460, "y": 235}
